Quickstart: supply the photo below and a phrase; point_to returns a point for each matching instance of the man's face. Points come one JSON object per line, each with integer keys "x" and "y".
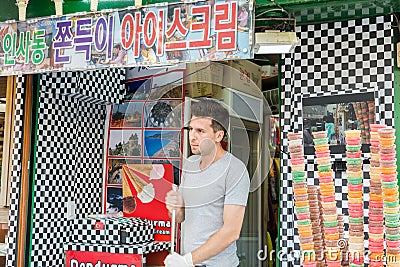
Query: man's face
{"x": 202, "y": 137}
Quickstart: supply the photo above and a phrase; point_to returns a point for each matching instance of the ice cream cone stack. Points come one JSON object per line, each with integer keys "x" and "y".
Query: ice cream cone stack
{"x": 371, "y": 117}
{"x": 343, "y": 247}
{"x": 366, "y": 135}
{"x": 317, "y": 227}
{"x": 375, "y": 212}
{"x": 355, "y": 197}
{"x": 93, "y": 5}
{"x": 327, "y": 191}
{"x": 322, "y": 260}
{"x": 22, "y": 4}
{"x": 59, "y": 7}
{"x": 390, "y": 190}
{"x": 302, "y": 203}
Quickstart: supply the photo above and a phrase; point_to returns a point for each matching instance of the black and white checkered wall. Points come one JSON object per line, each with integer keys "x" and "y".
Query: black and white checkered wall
{"x": 338, "y": 10}
{"x": 333, "y": 58}
{"x": 98, "y": 87}
{"x": 69, "y": 158}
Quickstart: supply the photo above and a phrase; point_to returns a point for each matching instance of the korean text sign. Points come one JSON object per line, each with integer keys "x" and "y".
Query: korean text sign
{"x": 159, "y": 34}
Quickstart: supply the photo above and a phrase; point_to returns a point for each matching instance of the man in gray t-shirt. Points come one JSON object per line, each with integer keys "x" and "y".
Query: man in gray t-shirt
{"x": 213, "y": 194}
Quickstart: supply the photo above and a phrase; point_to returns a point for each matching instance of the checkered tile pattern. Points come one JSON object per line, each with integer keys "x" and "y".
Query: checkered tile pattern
{"x": 89, "y": 158}
{"x": 338, "y": 11}
{"x": 69, "y": 157}
{"x": 16, "y": 173}
{"x": 126, "y": 249}
{"x": 386, "y": 107}
{"x": 115, "y": 231}
{"x": 103, "y": 86}
{"x": 56, "y": 165}
{"x": 97, "y": 87}
{"x": 333, "y": 59}
{"x": 61, "y": 82}
{"x": 286, "y": 191}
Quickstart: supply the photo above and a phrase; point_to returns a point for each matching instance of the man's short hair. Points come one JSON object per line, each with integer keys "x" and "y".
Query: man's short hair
{"x": 212, "y": 109}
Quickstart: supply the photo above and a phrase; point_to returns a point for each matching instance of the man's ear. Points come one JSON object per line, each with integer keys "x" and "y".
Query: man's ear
{"x": 219, "y": 136}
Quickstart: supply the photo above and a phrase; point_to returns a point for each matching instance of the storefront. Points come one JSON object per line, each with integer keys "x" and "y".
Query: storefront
{"x": 76, "y": 87}
{"x": 75, "y": 112}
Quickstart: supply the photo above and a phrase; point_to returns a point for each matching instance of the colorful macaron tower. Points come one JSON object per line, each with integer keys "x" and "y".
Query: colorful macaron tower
{"x": 366, "y": 135}
{"x": 317, "y": 226}
{"x": 390, "y": 195}
{"x": 327, "y": 190}
{"x": 302, "y": 205}
{"x": 365, "y": 116}
{"x": 343, "y": 247}
{"x": 375, "y": 213}
{"x": 355, "y": 198}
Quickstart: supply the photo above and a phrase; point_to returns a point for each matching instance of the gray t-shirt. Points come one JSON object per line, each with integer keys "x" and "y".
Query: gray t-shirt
{"x": 205, "y": 192}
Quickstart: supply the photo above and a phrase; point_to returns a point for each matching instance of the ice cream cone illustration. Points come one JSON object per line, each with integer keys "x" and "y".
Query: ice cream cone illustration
{"x": 145, "y": 191}
{"x": 59, "y": 7}
{"x": 142, "y": 168}
{"x": 128, "y": 200}
{"x": 157, "y": 172}
{"x": 22, "y": 9}
{"x": 93, "y": 5}
{"x": 153, "y": 171}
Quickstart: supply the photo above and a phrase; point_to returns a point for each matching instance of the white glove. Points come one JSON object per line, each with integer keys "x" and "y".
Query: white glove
{"x": 176, "y": 260}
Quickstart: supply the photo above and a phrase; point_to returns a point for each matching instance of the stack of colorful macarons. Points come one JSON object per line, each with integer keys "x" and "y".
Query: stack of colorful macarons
{"x": 390, "y": 191}
{"x": 366, "y": 136}
{"x": 355, "y": 197}
{"x": 327, "y": 190}
{"x": 316, "y": 221}
{"x": 371, "y": 117}
{"x": 321, "y": 261}
{"x": 302, "y": 206}
{"x": 343, "y": 247}
{"x": 375, "y": 213}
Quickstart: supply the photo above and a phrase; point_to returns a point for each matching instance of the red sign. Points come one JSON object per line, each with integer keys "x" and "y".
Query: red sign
{"x": 145, "y": 187}
{"x": 100, "y": 259}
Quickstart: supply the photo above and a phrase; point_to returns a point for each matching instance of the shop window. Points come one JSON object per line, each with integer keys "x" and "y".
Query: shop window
{"x": 337, "y": 114}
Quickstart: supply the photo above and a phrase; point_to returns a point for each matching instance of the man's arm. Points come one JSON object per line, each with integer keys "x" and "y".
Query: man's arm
{"x": 224, "y": 237}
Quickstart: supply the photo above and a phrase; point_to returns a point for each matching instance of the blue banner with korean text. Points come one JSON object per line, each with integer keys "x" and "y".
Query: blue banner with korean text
{"x": 159, "y": 34}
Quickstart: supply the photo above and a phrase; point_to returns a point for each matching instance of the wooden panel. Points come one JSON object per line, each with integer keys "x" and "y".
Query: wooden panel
{"x": 24, "y": 194}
